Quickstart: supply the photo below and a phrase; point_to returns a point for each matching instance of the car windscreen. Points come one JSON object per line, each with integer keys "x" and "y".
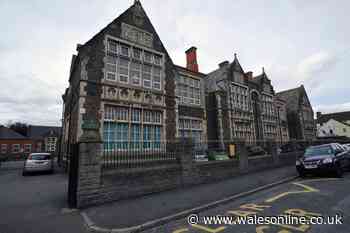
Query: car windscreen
{"x": 319, "y": 150}
{"x": 39, "y": 157}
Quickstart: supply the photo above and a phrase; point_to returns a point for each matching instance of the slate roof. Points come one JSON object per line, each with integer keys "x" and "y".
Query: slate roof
{"x": 184, "y": 69}
{"x": 7, "y": 133}
{"x": 338, "y": 116}
{"x": 292, "y": 97}
{"x": 37, "y": 132}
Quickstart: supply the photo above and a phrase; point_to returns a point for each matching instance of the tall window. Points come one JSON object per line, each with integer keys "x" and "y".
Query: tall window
{"x": 146, "y": 75}
{"x": 239, "y": 97}
{"x": 111, "y": 67}
{"x": 123, "y": 71}
{"x": 112, "y": 46}
{"x": 142, "y": 130}
{"x": 156, "y": 78}
{"x": 188, "y": 90}
{"x": 130, "y": 64}
{"x": 135, "y": 73}
{"x": 191, "y": 128}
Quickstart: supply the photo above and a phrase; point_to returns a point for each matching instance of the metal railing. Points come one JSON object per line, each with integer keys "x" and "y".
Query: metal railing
{"x": 138, "y": 154}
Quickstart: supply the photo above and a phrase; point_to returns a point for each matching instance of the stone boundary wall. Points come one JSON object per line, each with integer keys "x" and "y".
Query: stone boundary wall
{"x": 96, "y": 187}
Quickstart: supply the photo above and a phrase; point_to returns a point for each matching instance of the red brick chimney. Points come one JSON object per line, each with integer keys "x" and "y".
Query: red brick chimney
{"x": 191, "y": 59}
{"x": 249, "y": 75}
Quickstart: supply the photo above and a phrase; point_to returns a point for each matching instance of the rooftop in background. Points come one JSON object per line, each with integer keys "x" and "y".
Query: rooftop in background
{"x": 343, "y": 117}
{"x": 7, "y": 133}
{"x": 36, "y": 131}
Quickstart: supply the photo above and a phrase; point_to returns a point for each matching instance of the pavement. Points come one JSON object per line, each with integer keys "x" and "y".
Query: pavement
{"x": 37, "y": 204}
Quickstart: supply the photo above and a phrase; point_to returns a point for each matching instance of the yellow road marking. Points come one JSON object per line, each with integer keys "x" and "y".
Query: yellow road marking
{"x": 307, "y": 188}
{"x": 210, "y": 230}
{"x": 181, "y": 230}
{"x": 254, "y": 207}
{"x": 261, "y": 229}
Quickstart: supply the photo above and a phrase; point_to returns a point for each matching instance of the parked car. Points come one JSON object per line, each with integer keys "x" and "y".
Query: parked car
{"x": 255, "y": 150}
{"x": 327, "y": 158}
{"x": 38, "y": 162}
{"x": 347, "y": 146}
{"x": 217, "y": 155}
{"x": 200, "y": 157}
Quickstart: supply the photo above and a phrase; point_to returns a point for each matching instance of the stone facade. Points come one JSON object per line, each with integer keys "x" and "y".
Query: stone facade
{"x": 300, "y": 115}
{"x": 190, "y": 101}
{"x": 121, "y": 82}
{"x": 243, "y": 107}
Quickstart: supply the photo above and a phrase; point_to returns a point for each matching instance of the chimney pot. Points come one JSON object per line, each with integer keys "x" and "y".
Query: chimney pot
{"x": 191, "y": 59}
{"x": 249, "y": 74}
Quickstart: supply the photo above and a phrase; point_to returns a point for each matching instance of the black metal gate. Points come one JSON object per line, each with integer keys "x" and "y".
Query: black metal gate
{"x": 73, "y": 175}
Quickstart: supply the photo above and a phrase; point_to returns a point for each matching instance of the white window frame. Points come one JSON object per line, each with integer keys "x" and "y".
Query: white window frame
{"x": 160, "y": 78}
{"x": 115, "y": 72}
{"x": 14, "y": 146}
{"x": 133, "y": 53}
{"x": 151, "y": 56}
{"x": 121, "y": 49}
{"x": 123, "y": 75}
{"x": 3, "y": 148}
{"x": 150, "y": 77}
{"x": 109, "y": 46}
{"x": 27, "y": 148}
{"x": 134, "y": 70}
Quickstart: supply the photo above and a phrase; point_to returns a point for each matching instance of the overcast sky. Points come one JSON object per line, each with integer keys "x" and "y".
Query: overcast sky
{"x": 297, "y": 41}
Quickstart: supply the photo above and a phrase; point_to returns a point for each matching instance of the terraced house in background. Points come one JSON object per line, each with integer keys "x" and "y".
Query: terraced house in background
{"x": 125, "y": 90}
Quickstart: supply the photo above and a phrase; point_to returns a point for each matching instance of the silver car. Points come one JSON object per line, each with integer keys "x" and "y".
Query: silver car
{"x": 38, "y": 162}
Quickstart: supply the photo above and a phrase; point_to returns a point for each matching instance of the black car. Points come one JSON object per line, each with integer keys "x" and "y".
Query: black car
{"x": 255, "y": 150}
{"x": 328, "y": 158}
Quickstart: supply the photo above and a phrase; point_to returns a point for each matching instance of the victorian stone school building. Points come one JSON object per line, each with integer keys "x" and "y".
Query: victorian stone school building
{"x": 125, "y": 91}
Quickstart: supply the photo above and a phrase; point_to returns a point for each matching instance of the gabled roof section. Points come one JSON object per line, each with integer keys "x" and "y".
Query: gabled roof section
{"x": 292, "y": 97}
{"x": 338, "y": 116}
{"x": 127, "y": 15}
{"x": 262, "y": 76}
{"x": 38, "y": 132}
{"x": 236, "y": 66}
{"x": 7, "y": 133}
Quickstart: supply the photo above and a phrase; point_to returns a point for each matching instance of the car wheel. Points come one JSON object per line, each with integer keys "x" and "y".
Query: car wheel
{"x": 339, "y": 172}
{"x": 302, "y": 174}
{"x": 24, "y": 173}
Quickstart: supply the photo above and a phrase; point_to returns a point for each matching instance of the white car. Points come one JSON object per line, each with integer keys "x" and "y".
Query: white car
{"x": 38, "y": 162}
